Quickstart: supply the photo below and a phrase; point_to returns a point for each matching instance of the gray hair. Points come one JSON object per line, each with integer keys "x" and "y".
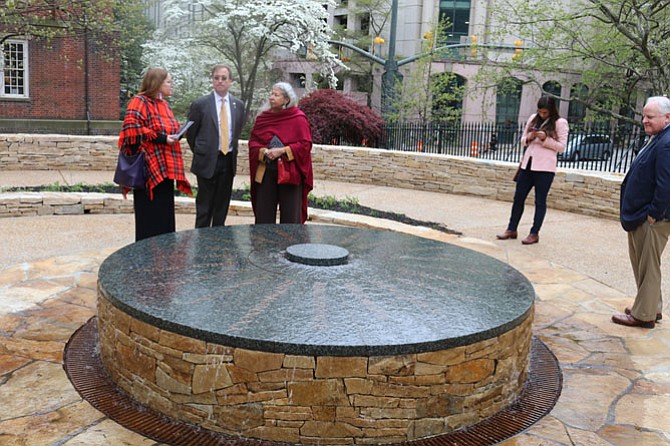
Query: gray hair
{"x": 662, "y": 101}
{"x": 288, "y": 93}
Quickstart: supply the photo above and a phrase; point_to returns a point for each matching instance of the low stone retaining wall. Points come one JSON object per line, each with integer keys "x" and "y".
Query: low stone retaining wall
{"x": 26, "y": 204}
{"x": 590, "y": 193}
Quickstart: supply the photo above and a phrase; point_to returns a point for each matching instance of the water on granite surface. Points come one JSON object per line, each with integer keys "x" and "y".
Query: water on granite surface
{"x": 397, "y": 294}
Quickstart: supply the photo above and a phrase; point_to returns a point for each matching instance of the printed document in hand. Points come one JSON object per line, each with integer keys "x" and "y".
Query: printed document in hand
{"x": 182, "y": 130}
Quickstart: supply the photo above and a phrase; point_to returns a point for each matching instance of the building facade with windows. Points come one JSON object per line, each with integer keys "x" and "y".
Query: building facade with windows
{"x": 368, "y": 27}
{"x": 64, "y": 84}
{"x": 416, "y": 19}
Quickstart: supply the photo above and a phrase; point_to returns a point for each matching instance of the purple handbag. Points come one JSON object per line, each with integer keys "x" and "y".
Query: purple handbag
{"x": 131, "y": 171}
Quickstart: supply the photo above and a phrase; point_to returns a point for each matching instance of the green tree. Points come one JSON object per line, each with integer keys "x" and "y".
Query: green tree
{"x": 617, "y": 48}
{"x": 53, "y": 18}
{"x": 373, "y": 16}
{"x": 414, "y": 103}
{"x": 428, "y": 96}
{"x": 134, "y": 31}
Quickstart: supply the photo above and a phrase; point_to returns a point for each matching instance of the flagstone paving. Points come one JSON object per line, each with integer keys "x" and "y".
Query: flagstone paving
{"x": 616, "y": 379}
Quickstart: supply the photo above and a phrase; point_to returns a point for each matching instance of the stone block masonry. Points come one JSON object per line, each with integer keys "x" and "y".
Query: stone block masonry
{"x": 590, "y": 193}
{"x": 312, "y": 399}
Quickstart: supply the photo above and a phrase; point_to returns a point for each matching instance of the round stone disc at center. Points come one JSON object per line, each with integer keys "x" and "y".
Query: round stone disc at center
{"x": 317, "y": 254}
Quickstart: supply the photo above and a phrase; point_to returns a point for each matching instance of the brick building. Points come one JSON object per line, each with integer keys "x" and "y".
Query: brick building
{"x": 66, "y": 84}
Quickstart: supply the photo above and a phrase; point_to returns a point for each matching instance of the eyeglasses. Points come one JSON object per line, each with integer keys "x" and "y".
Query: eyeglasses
{"x": 220, "y": 78}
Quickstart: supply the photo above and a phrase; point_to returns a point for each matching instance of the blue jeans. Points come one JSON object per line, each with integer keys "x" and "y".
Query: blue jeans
{"x": 525, "y": 182}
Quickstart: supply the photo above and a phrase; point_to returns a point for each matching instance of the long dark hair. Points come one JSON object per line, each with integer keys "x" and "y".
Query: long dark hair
{"x": 547, "y": 103}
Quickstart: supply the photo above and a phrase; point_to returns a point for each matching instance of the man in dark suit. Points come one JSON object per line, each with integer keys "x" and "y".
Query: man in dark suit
{"x": 218, "y": 119}
{"x": 645, "y": 214}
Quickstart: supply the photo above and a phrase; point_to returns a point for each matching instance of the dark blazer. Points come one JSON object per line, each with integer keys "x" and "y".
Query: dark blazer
{"x": 203, "y": 135}
{"x": 645, "y": 190}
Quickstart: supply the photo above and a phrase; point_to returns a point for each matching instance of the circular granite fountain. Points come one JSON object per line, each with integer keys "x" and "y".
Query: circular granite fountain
{"x": 314, "y": 334}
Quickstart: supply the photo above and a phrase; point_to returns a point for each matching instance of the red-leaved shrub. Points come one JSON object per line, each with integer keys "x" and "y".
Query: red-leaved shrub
{"x": 337, "y": 119}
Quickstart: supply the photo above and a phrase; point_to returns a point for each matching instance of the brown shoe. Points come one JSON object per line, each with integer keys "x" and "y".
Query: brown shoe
{"x": 509, "y": 234}
{"x": 659, "y": 316}
{"x": 531, "y": 239}
{"x": 630, "y": 321}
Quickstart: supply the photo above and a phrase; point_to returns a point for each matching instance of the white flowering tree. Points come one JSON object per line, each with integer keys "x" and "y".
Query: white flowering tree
{"x": 243, "y": 33}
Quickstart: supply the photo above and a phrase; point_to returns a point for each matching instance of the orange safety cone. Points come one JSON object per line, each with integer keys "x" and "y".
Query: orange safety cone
{"x": 474, "y": 149}
{"x": 419, "y": 146}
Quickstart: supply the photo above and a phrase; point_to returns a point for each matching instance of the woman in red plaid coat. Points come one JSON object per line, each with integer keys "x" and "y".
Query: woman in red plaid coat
{"x": 149, "y": 126}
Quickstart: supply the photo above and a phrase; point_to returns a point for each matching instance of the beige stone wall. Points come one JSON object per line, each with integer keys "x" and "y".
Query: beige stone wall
{"x": 308, "y": 399}
{"x": 25, "y": 204}
{"x": 590, "y": 193}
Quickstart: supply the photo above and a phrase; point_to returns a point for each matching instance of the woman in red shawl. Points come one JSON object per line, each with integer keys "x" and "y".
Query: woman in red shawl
{"x": 148, "y": 127}
{"x": 290, "y": 125}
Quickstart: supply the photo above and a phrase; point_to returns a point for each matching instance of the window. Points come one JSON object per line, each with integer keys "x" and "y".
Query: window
{"x": 508, "y": 101}
{"x": 552, "y": 87}
{"x": 341, "y": 20}
{"x": 152, "y": 11}
{"x": 14, "y": 82}
{"x": 196, "y": 12}
{"x": 297, "y": 80}
{"x": 322, "y": 82}
{"x": 363, "y": 82}
{"x": 365, "y": 24}
{"x": 456, "y": 14}
{"x": 447, "y": 97}
{"x": 577, "y": 110}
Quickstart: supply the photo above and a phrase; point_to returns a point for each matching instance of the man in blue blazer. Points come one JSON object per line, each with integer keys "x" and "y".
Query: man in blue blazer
{"x": 213, "y": 141}
{"x": 645, "y": 214}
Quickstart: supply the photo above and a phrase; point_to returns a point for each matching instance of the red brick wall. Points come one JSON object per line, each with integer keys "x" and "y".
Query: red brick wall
{"x": 57, "y": 85}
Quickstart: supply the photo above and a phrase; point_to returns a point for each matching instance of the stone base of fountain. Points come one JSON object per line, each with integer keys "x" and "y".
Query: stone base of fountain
{"x": 186, "y": 330}
{"x": 312, "y": 399}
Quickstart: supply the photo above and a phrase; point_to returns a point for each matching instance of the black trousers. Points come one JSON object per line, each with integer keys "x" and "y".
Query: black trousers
{"x": 269, "y": 194}
{"x": 154, "y": 217}
{"x": 527, "y": 180}
{"x": 213, "y": 199}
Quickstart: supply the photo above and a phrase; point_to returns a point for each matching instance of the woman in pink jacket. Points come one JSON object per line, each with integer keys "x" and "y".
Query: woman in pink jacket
{"x": 545, "y": 135}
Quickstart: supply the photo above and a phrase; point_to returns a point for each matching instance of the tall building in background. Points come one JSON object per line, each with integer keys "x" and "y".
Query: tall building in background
{"x": 416, "y": 21}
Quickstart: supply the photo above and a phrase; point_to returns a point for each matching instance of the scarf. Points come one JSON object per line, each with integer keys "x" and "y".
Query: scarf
{"x": 145, "y": 119}
{"x": 292, "y": 128}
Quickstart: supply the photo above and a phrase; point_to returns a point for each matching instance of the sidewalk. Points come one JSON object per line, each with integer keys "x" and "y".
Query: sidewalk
{"x": 616, "y": 379}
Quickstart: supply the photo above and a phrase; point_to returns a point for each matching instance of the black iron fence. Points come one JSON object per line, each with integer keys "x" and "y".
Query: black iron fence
{"x": 590, "y": 147}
